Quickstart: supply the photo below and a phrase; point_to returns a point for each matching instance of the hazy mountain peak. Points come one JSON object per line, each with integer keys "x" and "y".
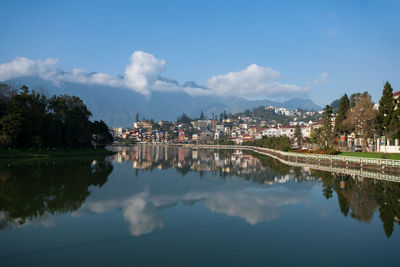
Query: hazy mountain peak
{"x": 192, "y": 84}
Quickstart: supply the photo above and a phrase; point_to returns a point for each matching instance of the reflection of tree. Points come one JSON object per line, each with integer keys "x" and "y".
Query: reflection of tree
{"x": 31, "y": 190}
{"x": 388, "y": 198}
{"x": 273, "y": 164}
{"x": 327, "y": 182}
{"x": 361, "y": 198}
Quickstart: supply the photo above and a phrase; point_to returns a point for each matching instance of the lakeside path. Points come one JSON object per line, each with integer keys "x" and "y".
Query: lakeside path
{"x": 383, "y": 169}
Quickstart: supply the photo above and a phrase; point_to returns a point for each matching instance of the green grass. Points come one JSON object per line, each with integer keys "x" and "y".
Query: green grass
{"x": 44, "y": 154}
{"x": 371, "y": 155}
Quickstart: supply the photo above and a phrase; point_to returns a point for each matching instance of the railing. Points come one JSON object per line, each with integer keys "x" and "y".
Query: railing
{"x": 348, "y": 159}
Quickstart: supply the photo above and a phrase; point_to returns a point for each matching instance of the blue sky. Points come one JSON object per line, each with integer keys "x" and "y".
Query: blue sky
{"x": 325, "y": 47}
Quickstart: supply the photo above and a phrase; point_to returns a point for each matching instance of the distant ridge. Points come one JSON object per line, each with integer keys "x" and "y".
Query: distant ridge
{"x": 118, "y": 106}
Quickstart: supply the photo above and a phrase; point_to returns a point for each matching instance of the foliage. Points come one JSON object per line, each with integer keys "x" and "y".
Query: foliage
{"x": 335, "y": 105}
{"x": 100, "y": 133}
{"x": 298, "y": 136}
{"x": 326, "y": 133}
{"x": 361, "y": 118}
{"x": 30, "y": 191}
{"x": 225, "y": 141}
{"x": 385, "y": 111}
{"x": 343, "y": 108}
{"x": 31, "y": 120}
{"x": 279, "y": 143}
{"x": 184, "y": 119}
{"x": 202, "y": 117}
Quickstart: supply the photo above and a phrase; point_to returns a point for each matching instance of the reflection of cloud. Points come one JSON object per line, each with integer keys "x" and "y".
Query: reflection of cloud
{"x": 254, "y": 207}
{"x": 322, "y": 211}
{"x": 141, "y": 214}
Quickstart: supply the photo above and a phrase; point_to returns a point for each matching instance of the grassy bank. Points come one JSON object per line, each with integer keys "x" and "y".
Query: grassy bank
{"x": 371, "y": 155}
{"x": 59, "y": 153}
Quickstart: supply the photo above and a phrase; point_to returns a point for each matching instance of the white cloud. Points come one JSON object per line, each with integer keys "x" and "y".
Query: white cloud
{"x": 22, "y": 66}
{"x": 255, "y": 80}
{"x": 323, "y": 78}
{"x": 142, "y": 75}
{"x": 143, "y": 71}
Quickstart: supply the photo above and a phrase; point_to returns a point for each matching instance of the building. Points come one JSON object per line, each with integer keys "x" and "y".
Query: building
{"x": 200, "y": 124}
{"x": 143, "y": 124}
{"x": 287, "y": 131}
{"x": 213, "y": 125}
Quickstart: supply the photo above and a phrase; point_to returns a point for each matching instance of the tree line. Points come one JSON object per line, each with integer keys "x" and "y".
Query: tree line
{"x": 29, "y": 119}
{"x": 357, "y": 114}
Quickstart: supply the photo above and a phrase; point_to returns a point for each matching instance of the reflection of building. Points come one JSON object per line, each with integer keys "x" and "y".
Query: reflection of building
{"x": 224, "y": 162}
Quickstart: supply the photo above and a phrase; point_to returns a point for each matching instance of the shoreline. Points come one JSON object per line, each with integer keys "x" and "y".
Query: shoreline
{"x": 17, "y": 154}
{"x": 383, "y": 169}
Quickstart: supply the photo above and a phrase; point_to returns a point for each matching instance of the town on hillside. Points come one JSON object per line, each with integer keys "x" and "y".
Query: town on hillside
{"x": 263, "y": 122}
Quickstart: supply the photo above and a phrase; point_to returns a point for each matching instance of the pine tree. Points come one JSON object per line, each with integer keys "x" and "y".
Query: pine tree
{"x": 298, "y": 136}
{"x": 386, "y": 110}
{"x": 202, "y": 116}
{"x": 327, "y": 134}
{"x": 395, "y": 123}
{"x": 344, "y": 107}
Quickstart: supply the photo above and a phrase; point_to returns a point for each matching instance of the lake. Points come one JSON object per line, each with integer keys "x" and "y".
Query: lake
{"x": 172, "y": 206}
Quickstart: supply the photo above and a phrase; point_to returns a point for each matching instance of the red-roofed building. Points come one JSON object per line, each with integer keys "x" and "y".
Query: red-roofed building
{"x": 396, "y": 94}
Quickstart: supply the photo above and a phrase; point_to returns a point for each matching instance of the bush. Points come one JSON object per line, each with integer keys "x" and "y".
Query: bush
{"x": 279, "y": 143}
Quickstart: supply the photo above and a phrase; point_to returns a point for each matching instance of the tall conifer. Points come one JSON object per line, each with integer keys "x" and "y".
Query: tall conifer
{"x": 386, "y": 110}
{"x": 344, "y": 107}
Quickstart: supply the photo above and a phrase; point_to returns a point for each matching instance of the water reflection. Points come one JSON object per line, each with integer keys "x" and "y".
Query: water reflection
{"x": 143, "y": 182}
{"x": 31, "y": 193}
{"x": 358, "y": 197}
{"x": 361, "y": 198}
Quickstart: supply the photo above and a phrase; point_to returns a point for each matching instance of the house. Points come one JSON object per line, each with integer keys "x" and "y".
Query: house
{"x": 287, "y": 130}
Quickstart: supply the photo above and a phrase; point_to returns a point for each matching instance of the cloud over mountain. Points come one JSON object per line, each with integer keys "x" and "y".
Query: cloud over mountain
{"x": 254, "y": 80}
{"x": 143, "y": 75}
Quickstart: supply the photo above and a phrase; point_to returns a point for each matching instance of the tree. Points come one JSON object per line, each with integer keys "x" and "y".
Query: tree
{"x": 395, "y": 123}
{"x": 202, "y": 117}
{"x": 385, "y": 111}
{"x": 344, "y": 106}
{"x": 315, "y": 136}
{"x": 355, "y": 97}
{"x": 30, "y": 120}
{"x": 100, "y": 133}
{"x": 361, "y": 118}
{"x": 326, "y": 130}
{"x": 298, "y": 136}
{"x": 183, "y": 119}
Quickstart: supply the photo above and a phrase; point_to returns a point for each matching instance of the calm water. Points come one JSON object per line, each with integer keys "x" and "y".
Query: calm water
{"x": 176, "y": 206}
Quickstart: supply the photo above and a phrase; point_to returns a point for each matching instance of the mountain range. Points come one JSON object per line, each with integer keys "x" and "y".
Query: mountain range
{"x": 119, "y": 106}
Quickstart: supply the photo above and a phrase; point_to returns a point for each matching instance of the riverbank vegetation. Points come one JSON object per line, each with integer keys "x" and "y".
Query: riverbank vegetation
{"x": 29, "y": 120}
{"x": 279, "y": 143}
{"x": 359, "y": 119}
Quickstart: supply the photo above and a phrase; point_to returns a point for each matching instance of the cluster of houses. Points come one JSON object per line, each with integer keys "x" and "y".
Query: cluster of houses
{"x": 234, "y": 129}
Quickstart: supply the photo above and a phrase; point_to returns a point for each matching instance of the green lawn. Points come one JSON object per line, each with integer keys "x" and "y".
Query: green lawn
{"x": 371, "y": 155}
